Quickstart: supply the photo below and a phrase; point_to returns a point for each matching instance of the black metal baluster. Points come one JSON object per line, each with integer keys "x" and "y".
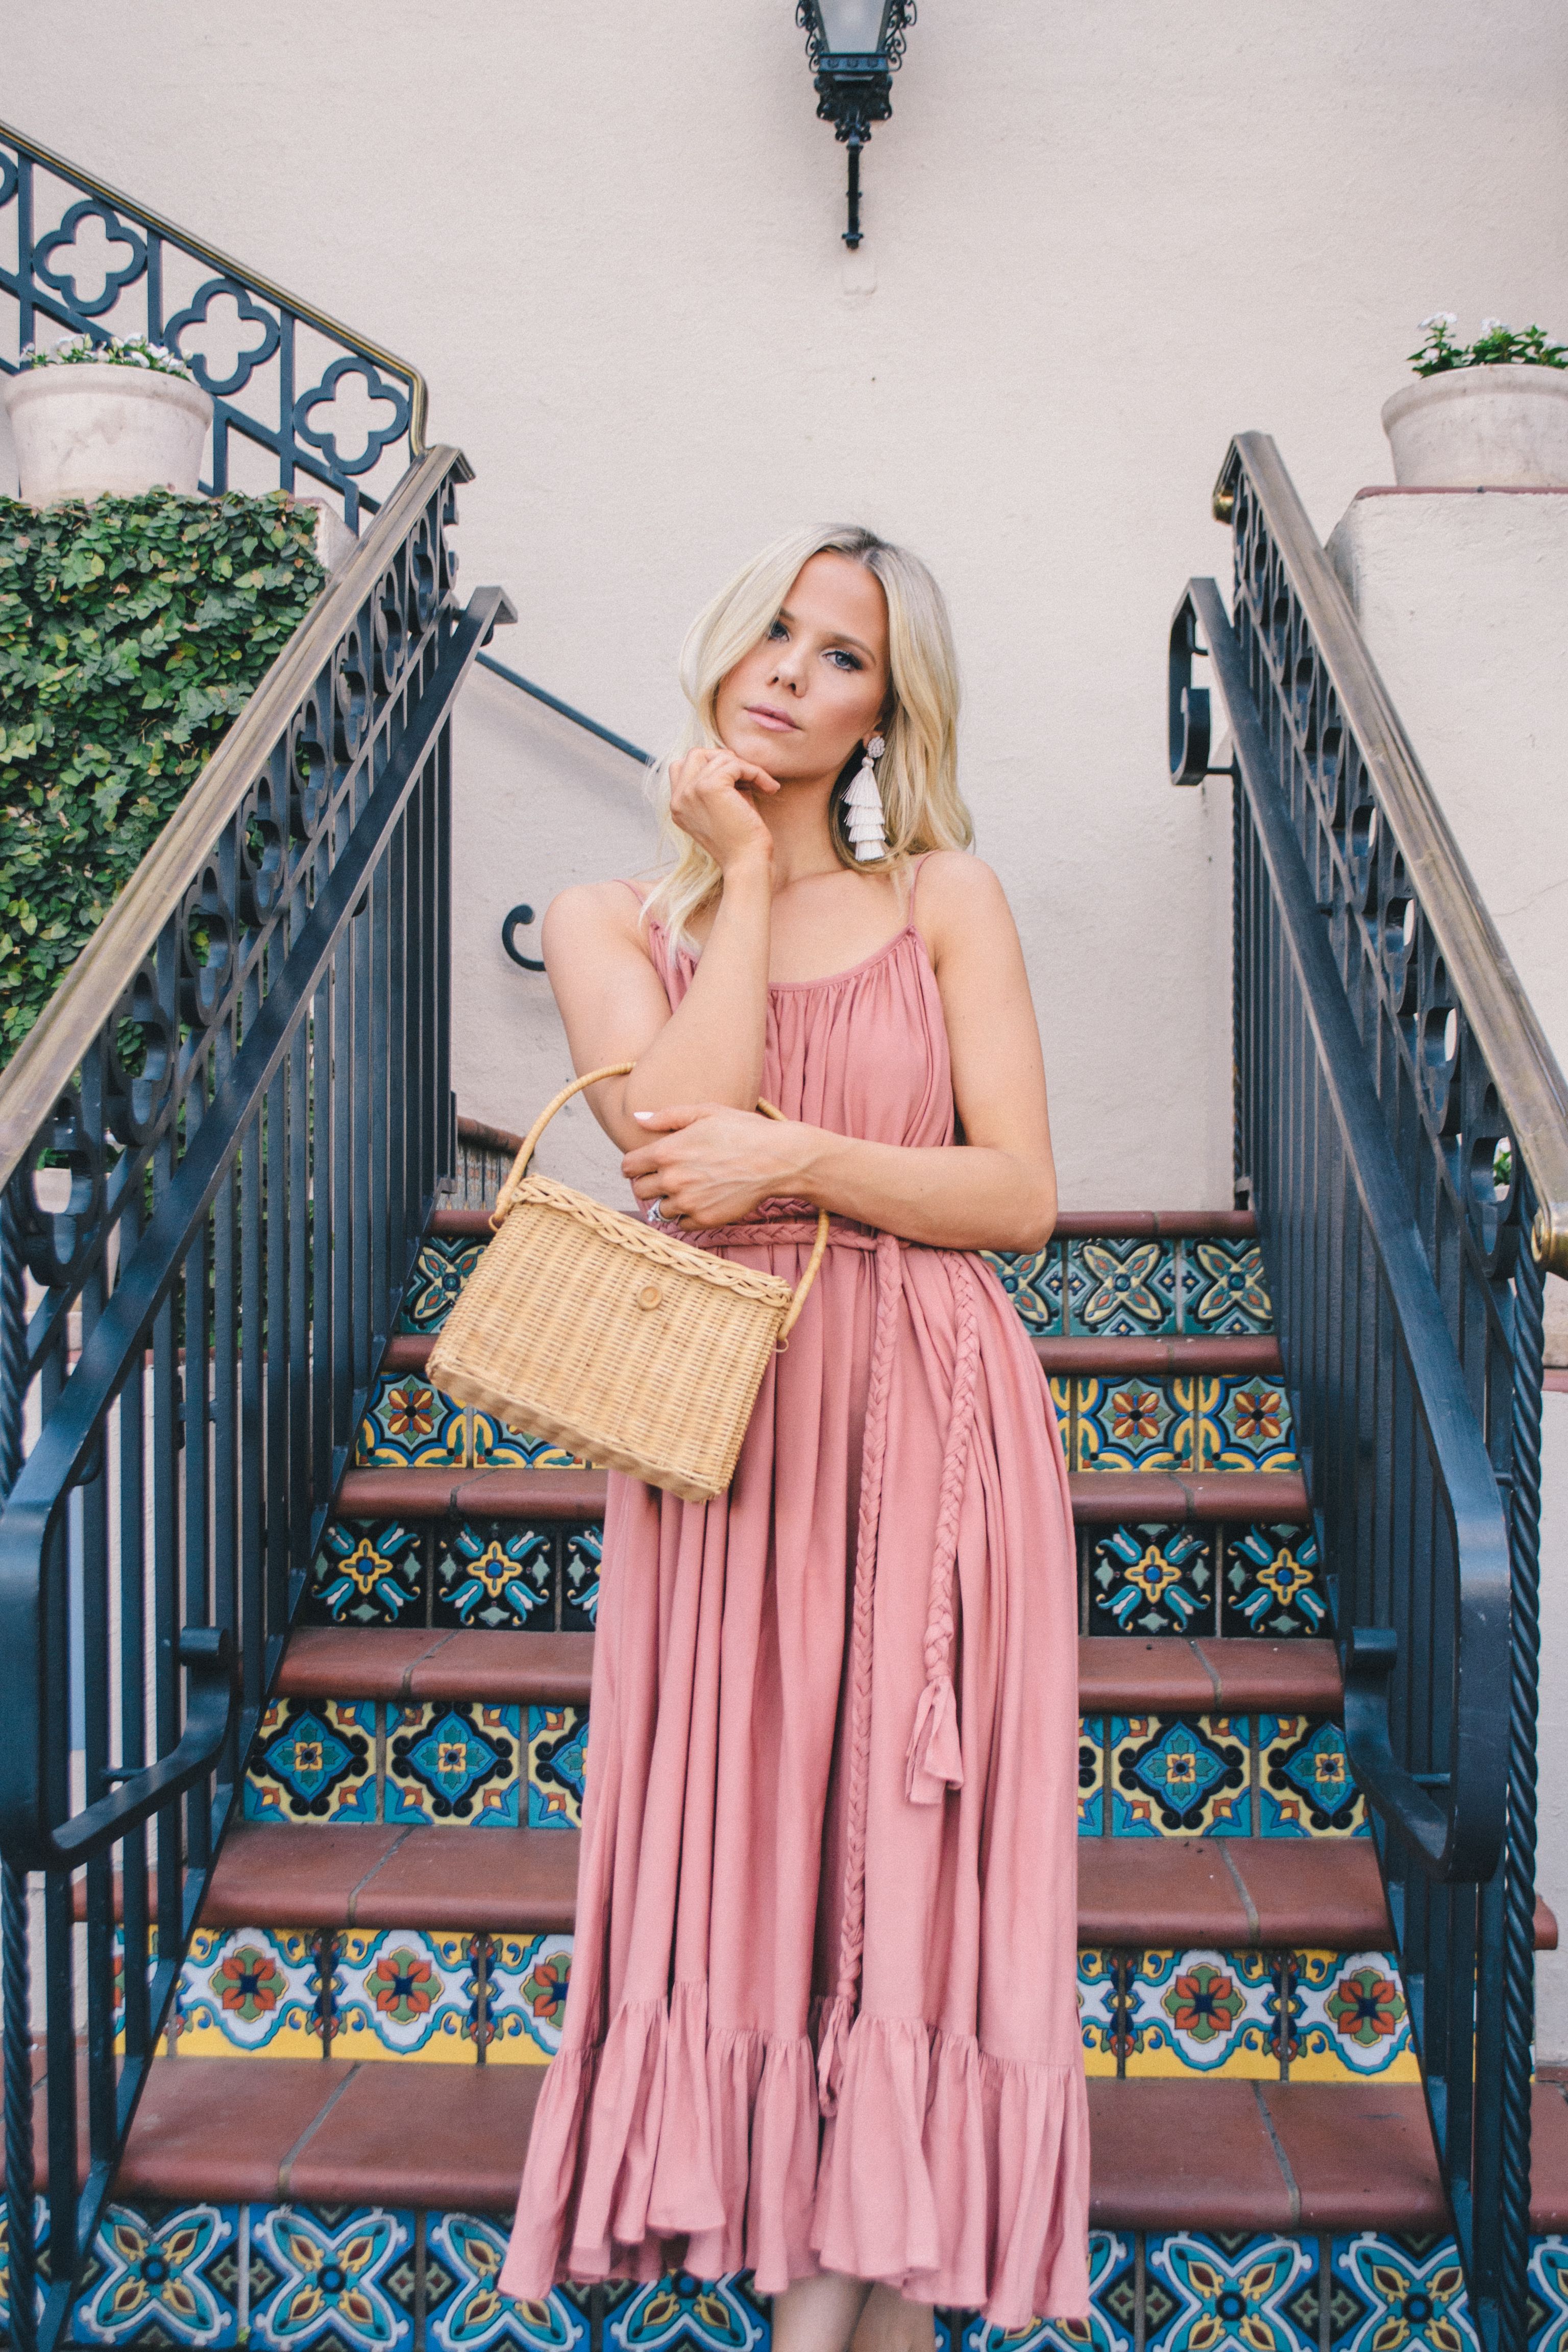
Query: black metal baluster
{"x": 15, "y": 1973}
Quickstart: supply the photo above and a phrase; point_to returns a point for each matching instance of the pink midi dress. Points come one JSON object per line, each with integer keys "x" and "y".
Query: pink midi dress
{"x": 822, "y": 2006}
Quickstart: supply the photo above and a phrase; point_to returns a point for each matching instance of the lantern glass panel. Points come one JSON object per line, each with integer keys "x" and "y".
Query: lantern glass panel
{"x": 852, "y": 27}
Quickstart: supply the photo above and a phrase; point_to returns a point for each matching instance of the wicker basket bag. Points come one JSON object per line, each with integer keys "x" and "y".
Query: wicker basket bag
{"x": 581, "y": 1325}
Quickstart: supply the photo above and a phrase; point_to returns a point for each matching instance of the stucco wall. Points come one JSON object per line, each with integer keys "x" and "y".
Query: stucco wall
{"x": 1100, "y": 241}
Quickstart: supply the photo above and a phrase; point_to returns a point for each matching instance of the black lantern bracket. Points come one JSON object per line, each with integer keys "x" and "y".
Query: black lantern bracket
{"x": 854, "y": 85}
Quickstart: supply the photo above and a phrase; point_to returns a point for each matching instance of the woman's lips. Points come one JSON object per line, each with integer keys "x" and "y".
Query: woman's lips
{"x": 774, "y": 719}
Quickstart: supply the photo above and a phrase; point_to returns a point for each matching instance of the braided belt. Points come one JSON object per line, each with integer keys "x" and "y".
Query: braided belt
{"x": 933, "y": 1762}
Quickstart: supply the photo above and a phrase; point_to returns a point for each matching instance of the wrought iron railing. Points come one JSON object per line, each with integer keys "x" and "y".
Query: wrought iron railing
{"x": 246, "y": 1075}
{"x": 1402, "y": 1129}
{"x": 294, "y": 393}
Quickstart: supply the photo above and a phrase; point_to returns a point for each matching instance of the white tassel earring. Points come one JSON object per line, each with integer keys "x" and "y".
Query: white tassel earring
{"x": 866, "y": 823}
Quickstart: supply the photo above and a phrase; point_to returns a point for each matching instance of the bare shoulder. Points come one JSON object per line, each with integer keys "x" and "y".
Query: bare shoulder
{"x": 591, "y": 913}
{"x": 959, "y": 896}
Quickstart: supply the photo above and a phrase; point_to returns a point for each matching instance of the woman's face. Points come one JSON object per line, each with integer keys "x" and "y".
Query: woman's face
{"x": 800, "y": 703}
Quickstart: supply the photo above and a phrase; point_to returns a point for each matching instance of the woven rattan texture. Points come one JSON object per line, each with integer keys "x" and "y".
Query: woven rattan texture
{"x": 641, "y": 1353}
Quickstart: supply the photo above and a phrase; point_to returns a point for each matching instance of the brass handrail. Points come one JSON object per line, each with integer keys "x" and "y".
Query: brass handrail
{"x": 1524, "y": 1069}
{"x": 418, "y": 398}
{"x": 47, "y": 1058}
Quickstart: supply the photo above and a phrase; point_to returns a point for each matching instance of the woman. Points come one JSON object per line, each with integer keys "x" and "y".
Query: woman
{"x": 822, "y": 2021}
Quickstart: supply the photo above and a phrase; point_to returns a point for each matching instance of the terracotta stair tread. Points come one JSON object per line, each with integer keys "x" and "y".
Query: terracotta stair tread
{"x": 1152, "y": 1358}
{"x": 1231, "y": 1894}
{"x": 1171, "y": 1675}
{"x": 1072, "y": 1224}
{"x": 1100, "y": 1498}
{"x": 325, "y": 1662}
{"x": 1165, "y": 2154}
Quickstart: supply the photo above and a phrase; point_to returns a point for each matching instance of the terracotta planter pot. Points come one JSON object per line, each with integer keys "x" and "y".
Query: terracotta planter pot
{"x": 1481, "y": 428}
{"x": 94, "y": 428}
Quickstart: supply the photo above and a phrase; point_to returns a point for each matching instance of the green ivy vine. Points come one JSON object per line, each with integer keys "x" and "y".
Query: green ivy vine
{"x": 131, "y": 633}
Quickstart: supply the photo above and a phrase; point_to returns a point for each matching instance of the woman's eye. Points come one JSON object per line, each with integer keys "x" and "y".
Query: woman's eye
{"x": 847, "y": 660}
{"x": 778, "y": 630}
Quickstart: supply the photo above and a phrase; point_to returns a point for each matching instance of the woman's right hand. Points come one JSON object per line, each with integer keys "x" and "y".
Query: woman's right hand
{"x": 710, "y": 798}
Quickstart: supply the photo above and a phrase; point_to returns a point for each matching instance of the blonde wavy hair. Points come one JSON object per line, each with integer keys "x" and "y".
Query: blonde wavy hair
{"x": 917, "y": 772}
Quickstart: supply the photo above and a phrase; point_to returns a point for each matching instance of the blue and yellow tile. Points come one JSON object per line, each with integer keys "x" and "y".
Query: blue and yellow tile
{"x": 1150, "y": 1580}
{"x": 1225, "y": 1290}
{"x": 1091, "y": 1775}
{"x": 495, "y": 1573}
{"x": 1201, "y": 2012}
{"x": 162, "y": 2278}
{"x": 410, "y": 1425}
{"x": 1125, "y": 1425}
{"x": 1404, "y": 2291}
{"x": 1033, "y": 1281}
{"x": 314, "y": 1760}
{"x": 402, "y": 1993}
{"x": 1099, "y": 2010}
{"x": 1549, "y": 2295}
{"x": 434, "y": 1288}
{"x": 1202, "y": 2293}
{"x": 1241, "y": 1422}
{"x": 117, "y": 2013}
{"x": 581, "y": 1552}
{"x": 1351, "y": 2022}
{"x": 1305, "y": 1785}
{"x": 251, "y": 1991}
{"x": 466, "y": 2310}
{"x": 1175, "y": 1777}
{"x": 1273, "y": 1584}
{"x": 454, "y": 1762}
{"x": 1120, "y": 1290}
{"x": 331, "y": 2281}
{"x": 494, "y": 1446}
{"x": 528, "y": 1976}
{"x": 367, "y": 1572}
{"x": 557, "y": 1760}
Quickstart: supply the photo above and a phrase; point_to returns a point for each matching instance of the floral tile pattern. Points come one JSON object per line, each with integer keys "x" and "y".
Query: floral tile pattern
{"x": 1090, "y": 1776}
{"x": 1305, "y": 1788}
{"x": 367, "y": 1572}
{"x": 528, "y": 1980}
{"x": 159, "y": 2275}
{"x": 581, "y": 1551}
{"x": 1239, "y": 1422}
{"x": 557, "y": 1759}
{"x": 494, "y": 1574}
{"x": 1235, "y": 2297}
{"x": 1549, "y": 2295}
{"x": 1172, "y": 1776}
{"x": 456, "y": 1762}
{"x": 493, "y": 1446}
{"x": 401, "y": 1993}
{"x": 465, "y": 2310}
{"x": 1393, "y": 2291}
{"x": 440, "y": 1270}
{"x": 314, "y": 1760}
{"x": 1113, "y": 2313}
{"x": 1119, "y": 1290}
{"x": 695, "y": 2314}
{"x": 1227, "y": 1289}
{"x": 409, "y": 1425}
{"x": 1033, "y": 1281}
{"x": 1204, "y": 2013}
{"x": 1272, "y": 1583}
{"x": 1126, "y": 1424}
{"x": 1099, "y": 2011}
{"x": 1150, "y": 1580}
{"x": 344, "y": 2279}
{"x": 248, "y": 1990}
{"x": 1351, "y": 2021}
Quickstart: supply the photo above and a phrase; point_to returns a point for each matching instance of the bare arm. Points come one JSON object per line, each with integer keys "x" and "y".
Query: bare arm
{"x": 611, "y": 999}
{"x": 712, "y": 1164}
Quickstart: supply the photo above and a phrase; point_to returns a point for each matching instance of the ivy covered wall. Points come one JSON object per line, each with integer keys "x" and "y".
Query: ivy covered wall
{"x": 131, "y": 633}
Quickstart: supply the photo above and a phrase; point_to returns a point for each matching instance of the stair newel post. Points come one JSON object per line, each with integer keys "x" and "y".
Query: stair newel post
{"x": 16, "y": 1985}
{"x": 1518, "y": 2020}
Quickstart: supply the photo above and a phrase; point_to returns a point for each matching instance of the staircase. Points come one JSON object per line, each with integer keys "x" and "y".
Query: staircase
{"x": 331, "y": 2144}
{"x": 296, "y": 1653}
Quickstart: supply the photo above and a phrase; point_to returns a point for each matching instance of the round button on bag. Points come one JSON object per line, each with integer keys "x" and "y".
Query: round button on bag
{"x": 556, "y": 1330}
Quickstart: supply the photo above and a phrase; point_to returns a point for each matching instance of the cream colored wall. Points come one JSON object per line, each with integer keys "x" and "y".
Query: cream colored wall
{"x": 1100, "y": 240}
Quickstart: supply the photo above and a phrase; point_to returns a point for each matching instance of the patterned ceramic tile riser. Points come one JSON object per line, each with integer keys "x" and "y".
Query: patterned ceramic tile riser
{"x": 463, "y": 1573}
{"x": 410, "y": 1424}
{"x": 306, "y": 2278}
{"x": 451, "y": 1763}
{"x": 1194, "y": 1582}
{"x": 1139, "y": 1289}
{"x": 1215, "y": 1776}
{"x": 1299, "y": 2017}
{"x": 1184, "y": 1423}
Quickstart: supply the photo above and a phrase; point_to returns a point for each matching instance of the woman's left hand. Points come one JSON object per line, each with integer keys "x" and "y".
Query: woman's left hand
{"x": 710, "y": 1165}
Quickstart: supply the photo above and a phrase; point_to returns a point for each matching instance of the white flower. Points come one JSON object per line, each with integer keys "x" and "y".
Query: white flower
{"x": 1494, "y": 327}
{"x": 1441, "y": 319}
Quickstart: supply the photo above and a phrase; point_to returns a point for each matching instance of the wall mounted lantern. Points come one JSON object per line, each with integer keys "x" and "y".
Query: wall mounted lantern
{"x": 853, "y": 48}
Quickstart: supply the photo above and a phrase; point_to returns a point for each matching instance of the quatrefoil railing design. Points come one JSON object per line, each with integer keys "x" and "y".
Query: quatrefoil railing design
{"x": 279, "y": 389}
{"x": 1401, "y": 1131}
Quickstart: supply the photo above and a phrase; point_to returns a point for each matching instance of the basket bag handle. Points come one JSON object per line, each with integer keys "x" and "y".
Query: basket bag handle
{"x": 508, "y": 1193}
